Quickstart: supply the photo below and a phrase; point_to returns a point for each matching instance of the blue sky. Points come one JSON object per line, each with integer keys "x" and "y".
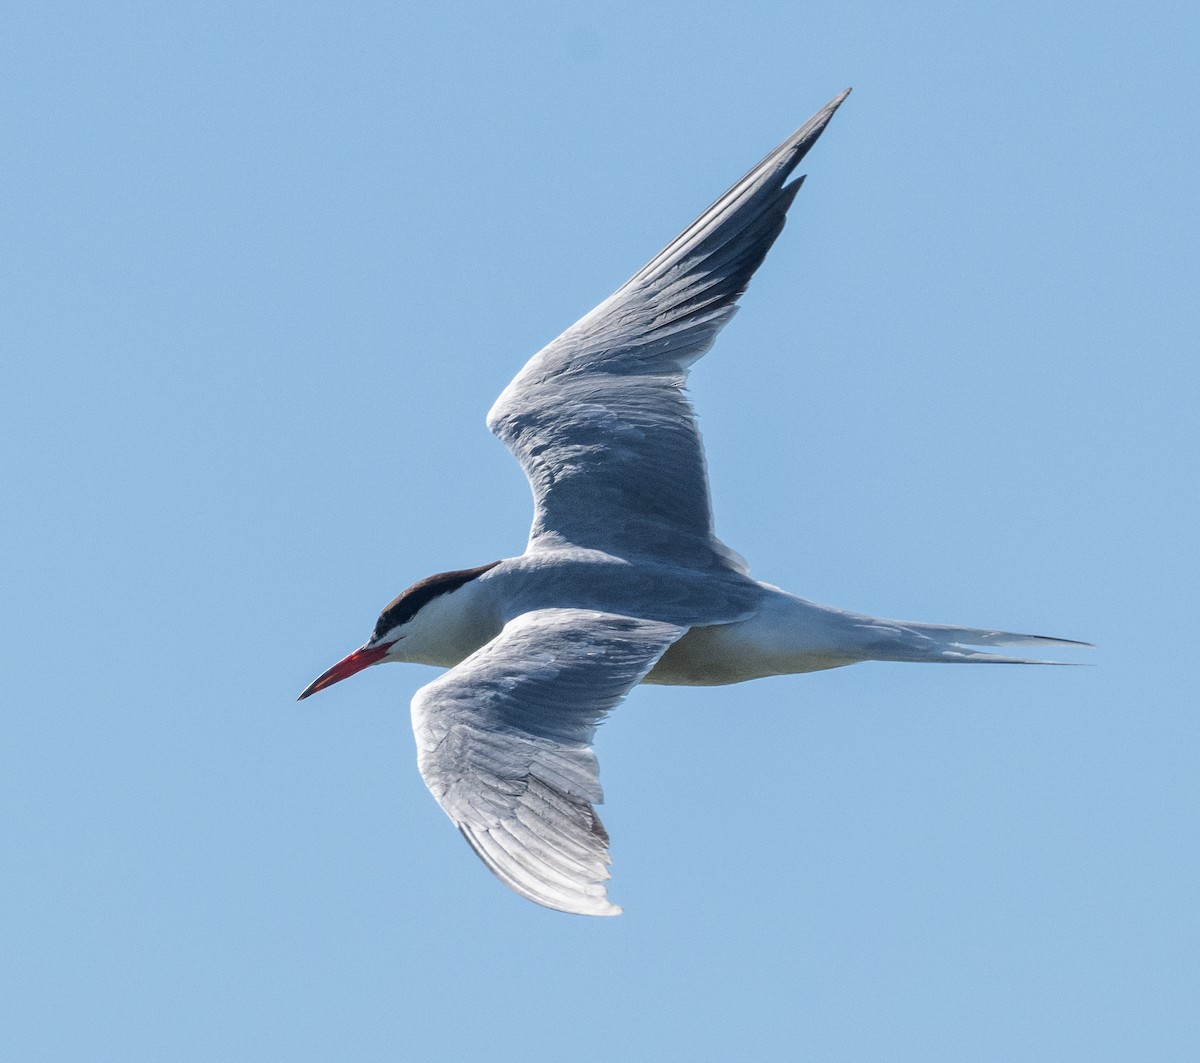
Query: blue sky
{"x": 265, "y": 268}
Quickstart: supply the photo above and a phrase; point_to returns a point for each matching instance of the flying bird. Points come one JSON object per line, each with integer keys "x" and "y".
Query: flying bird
{"x": 623, "y": 580}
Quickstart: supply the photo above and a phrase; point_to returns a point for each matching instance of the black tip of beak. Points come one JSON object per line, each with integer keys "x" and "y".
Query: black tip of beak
{"x": 347, "y": 666}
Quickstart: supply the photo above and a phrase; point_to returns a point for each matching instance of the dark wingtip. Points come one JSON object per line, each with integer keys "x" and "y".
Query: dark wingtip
{"x": 797, "y": 145}
{"x": 827, "y": 112}
{"x": 1062, "y": 642}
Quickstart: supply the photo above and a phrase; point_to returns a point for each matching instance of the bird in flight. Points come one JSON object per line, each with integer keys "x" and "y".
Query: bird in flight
{"x": 623, "y": 580}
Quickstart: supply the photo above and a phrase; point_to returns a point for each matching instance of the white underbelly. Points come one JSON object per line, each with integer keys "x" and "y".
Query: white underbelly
{"x": 734, "y": 653}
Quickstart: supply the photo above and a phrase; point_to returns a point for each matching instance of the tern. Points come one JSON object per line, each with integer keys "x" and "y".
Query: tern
{"x": 623, "y": 580}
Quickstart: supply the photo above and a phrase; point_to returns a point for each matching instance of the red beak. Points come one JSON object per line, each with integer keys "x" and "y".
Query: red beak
{"x": 347, "y": 666}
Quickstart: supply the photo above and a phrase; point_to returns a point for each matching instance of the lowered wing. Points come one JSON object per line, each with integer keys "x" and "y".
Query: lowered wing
{"x": 504, "y": 744}
{"x": 599, "y": 420}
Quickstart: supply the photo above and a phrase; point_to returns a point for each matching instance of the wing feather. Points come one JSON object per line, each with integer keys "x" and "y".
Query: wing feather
{"x": 599, "y": 420}
{"x": 504, "y": 744}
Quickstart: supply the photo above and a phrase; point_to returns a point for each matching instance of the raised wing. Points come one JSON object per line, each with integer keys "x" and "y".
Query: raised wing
{"x": 504, "y": 744}
{"x": 599, "y": 420}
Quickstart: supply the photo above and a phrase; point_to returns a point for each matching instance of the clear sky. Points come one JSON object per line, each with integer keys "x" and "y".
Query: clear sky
{"x": 265, "y": 267}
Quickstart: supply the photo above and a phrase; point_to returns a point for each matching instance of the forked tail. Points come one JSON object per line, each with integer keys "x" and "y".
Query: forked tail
{"x": 904, "y": 640}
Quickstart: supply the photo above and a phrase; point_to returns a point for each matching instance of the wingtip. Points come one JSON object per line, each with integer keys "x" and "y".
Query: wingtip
{"x": 826, "y": 112}
{"x": 807, "y": 134}
{"x": 597, "y": 906}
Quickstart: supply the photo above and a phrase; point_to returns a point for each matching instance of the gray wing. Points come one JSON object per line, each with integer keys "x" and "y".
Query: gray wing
{"x": 599, "y": 420}
{"x": 504, "y": 744}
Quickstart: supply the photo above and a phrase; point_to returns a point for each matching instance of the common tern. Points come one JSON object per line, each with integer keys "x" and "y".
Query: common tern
{"x": 623, "y": 580}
